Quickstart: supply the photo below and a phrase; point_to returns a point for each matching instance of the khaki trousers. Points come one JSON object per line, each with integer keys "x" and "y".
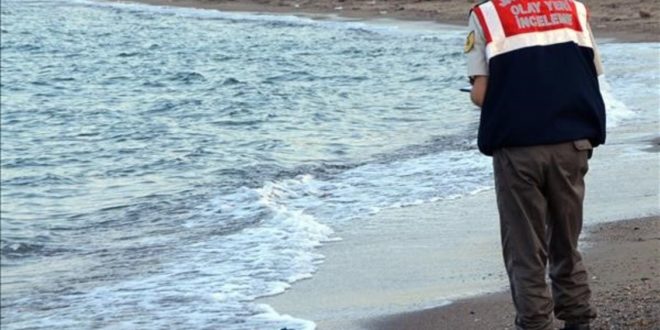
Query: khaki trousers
{"x": 540, "y": 190}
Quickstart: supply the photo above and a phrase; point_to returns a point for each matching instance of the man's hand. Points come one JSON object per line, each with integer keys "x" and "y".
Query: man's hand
{"x": 478, "y": 92}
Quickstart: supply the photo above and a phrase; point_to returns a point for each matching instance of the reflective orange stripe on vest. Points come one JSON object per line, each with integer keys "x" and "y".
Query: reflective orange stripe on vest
{"x": 509, "y": 25}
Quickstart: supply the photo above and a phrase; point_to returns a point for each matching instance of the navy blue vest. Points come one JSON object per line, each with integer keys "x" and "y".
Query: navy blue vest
{"x": 542, "y": 84}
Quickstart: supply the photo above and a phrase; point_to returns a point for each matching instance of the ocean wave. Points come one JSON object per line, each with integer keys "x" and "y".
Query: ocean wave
{"x": 14, "y": 250}
{"x": 17, "y": 250}
{"x": 188, "y": 77}
{"x": 48, "y": 179}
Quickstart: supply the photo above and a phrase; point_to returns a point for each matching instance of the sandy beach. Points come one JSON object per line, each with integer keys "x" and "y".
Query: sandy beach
{"x": 625, "y": 281}
{"x": 633, "y": 21}
{"x": 382, "y": 275}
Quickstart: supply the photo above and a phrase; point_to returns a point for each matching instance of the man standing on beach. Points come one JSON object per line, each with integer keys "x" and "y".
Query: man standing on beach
{"x": 534, "y": 69}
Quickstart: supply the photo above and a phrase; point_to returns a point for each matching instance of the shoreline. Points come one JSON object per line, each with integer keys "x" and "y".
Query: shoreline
{"x": 639, "y": 22}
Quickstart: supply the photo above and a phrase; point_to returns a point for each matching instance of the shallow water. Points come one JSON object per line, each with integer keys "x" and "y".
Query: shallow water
{"x": 163, "y": 167}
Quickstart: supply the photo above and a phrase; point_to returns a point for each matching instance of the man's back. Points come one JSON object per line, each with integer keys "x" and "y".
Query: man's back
{"x": 542, "y": 75}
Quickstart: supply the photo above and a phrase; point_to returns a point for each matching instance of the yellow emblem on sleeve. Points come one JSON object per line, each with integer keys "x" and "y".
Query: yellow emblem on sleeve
{"x": 469, "y": 42}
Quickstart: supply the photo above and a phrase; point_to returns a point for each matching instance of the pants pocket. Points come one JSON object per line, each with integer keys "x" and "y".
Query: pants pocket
{"x": 584, "y": 145}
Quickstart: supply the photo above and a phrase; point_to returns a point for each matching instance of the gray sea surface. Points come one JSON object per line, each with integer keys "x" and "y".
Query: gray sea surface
{"x": 163, "y": 167}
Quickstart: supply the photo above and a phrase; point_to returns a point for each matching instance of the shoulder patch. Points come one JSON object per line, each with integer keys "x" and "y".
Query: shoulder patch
{"x": 469, "y": 42}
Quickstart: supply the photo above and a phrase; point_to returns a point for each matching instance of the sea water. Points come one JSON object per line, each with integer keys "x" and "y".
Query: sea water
{"x": 164, "y": 167}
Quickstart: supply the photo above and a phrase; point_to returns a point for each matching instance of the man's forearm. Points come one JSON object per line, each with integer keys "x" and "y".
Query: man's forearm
{"x": 478, "y": 92}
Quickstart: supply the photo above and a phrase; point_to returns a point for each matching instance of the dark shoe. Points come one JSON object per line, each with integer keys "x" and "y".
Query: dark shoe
{"x": 580, "y": 326}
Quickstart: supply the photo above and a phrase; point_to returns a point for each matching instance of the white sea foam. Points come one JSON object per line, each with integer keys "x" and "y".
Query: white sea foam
{"x": 617, "y": 111}
{"x": 375, "y": 186}
{"x": 267, "y": 257}
{"x": 269, "y": 315}
{"x": 631, "y": 84}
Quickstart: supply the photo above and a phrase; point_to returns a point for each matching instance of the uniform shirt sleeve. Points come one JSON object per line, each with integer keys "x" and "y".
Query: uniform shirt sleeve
{"x": 597, "y": 60}
{"x": 477, "y": 64}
